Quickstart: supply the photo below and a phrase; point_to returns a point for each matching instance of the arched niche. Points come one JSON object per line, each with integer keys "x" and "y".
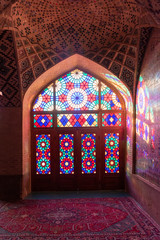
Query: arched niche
{"x": 67, "y": 65}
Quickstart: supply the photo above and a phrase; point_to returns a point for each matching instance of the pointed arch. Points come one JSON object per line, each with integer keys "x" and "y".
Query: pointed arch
{"x": 67, "y": 65}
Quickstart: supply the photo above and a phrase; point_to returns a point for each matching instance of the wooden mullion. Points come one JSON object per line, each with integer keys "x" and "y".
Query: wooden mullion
{"x": 78, "y": 112}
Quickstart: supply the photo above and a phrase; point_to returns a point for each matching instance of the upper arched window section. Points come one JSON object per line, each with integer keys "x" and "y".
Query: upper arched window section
{"x": 77, "y": 91}
{"x": 77, "y": 100}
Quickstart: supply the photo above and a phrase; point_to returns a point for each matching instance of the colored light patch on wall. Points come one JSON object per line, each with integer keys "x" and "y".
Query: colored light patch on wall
{"x": 153, "y": 138}
{"x": 88, "y": 153}
{"x": 111, "y": 119}
{"x": 66, "y": 153}
{"x": 151, "y": 116}
{"x": 109, "y": 100}
{"x": 122, "y": 89}
{"x": 142, "y": 129}
{"x": 111, "y": 152}
{"x": 129, "y": 155}
{"x": 44, "y": 101}
{"x": 77, "y": 91}
{"x": 128, "y": 121}
{"x": 43, "y": 154}
{"x": 43, "y": 120}
{"x": 142, "y": 106}
{"x": 77, "y": 120}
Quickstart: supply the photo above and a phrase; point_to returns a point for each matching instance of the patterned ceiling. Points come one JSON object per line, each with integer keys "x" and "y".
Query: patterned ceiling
{"x": 152, "y": 7}
{"x": 106, "y": 31}
{"x": 74, "y": 25}
{"x": 4, "y": 4}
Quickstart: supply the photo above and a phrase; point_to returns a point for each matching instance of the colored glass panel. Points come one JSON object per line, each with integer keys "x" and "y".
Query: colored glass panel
{"x": 43, "y": 120}
{"x": 43, "y": 154}
{"x": 88, "y": 153}
{"x": 44, "y": 101}
{"x": 66, "y": 153}
{"x": 111, "y": 119}
{"x": 77, "y": 120}
{"x": 142, "y": 129}
{"x": 77, "y": 91}
{"x": 109, "y": 100}
{"x": 111, "y": 152}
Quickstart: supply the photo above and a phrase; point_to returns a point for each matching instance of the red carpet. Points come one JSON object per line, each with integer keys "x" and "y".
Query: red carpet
{"x": 86, "y": 219}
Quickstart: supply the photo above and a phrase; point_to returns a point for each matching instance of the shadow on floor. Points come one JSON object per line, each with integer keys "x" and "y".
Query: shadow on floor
{"x": 76, "y": 194}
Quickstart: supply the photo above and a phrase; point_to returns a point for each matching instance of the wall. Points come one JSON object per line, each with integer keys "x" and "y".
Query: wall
{"x": 129, "y": 142}
{"x": 148, "y": 114}
{"x": 10, "y": 120}
{"x": 145, "y": 184}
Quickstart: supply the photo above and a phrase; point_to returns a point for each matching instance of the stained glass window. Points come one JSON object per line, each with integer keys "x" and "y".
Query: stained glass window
{"x": 74, "y": 101}
{"x": 111, "y": 119}
{"x": 111, "y": 152}
{"x": 43, "y": 154}
{"x": 66, "y": 153}
{"x": 109, "y": 100}
{"x": 43, "y": 120}
{"x": 77, "y": 120}
{"x": 77, "y": 91}
{"x": 88, "y": 153}
{"x": 44, "y": 101}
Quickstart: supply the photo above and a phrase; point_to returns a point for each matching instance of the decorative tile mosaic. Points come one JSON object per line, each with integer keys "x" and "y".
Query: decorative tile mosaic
{"x": 9, "y": 80}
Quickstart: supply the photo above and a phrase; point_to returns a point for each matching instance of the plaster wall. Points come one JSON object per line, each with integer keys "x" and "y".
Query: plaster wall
{"x": 11, "y": 152}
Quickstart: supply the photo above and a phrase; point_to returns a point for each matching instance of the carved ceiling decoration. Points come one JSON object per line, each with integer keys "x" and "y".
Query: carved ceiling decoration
{"x": 120, "y": 59}
{"x": 143, "y": 41}
{"x": 9, "y": 80}
{"x": 4, "y": 4}
{"x": 108, "y": 32}
{"x": 75, "y": 26}
{"x": 152, "y": 7}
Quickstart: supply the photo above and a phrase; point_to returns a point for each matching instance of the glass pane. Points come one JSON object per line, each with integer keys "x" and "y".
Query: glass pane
{"x": 77, "y": 120}
{"x": 109, "y": 100}
{"x": 66, "y": 153}
{"x": 43, "y": 120}
{"x": 88, "y": 153}
{"x": 43, "y": 154}
{"x": 77, "y": 91}
{"x": 44, "y": 101}
{"x": 111, "y": 152}
{"x": 111, "y": 119}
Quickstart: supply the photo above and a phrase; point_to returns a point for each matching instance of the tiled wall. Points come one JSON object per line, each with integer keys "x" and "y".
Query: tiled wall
{"x": 148, "y": 113}
{"x": 10, "y": 120}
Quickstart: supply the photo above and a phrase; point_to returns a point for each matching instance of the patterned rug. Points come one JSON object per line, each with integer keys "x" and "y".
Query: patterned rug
{"x": 84, "y": 218}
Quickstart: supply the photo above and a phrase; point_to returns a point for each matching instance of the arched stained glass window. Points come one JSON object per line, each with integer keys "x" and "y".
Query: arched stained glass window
{"x": 44, "y": 101}
{"x": 77, "y": 91}
{"x": 77, "y": 100}
{"x": 109, "y": 100}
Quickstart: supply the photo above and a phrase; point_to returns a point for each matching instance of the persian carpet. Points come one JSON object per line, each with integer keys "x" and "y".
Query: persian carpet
{"x": 118, "y": 218}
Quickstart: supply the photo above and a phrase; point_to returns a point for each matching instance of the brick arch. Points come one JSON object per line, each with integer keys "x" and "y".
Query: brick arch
{"x": 75, "y": 61}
